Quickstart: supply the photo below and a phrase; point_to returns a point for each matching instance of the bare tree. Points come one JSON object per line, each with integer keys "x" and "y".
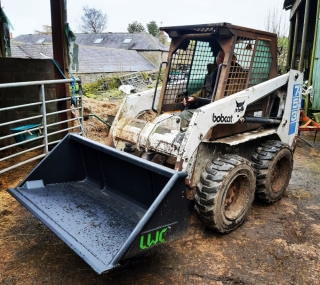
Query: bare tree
{"x": 277, "y": 22}
{"x": 93, "y": 20}
{"x": 46, "y": 30}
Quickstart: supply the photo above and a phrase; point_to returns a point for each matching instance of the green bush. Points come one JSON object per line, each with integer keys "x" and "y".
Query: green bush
{"x": 90, "y": 88}
{"x": 162, "y": 73}
{"x": 145, "y": 75}
{"x": 89, "y": 95}
{"x": 113, "y": 82}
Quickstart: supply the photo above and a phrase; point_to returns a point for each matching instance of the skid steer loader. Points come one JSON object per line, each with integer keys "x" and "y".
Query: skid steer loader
{"x": 109, "y": 203}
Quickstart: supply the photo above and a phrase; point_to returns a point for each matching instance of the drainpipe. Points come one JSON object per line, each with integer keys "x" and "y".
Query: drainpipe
{"x": 304, "y": 35}
{"x": 295, "y": 41}
{"x": 314, "y": 44}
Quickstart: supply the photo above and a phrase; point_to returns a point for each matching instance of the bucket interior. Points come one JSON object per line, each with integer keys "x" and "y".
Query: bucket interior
{"x": 94, "y": 197}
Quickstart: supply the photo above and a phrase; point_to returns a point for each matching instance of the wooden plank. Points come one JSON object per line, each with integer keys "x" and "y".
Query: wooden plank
{"x": 58, "y": 12}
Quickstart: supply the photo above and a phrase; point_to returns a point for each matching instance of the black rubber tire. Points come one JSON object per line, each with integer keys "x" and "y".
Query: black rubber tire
{"x": 225, "y": 193}
{"x": 273, "y": 163}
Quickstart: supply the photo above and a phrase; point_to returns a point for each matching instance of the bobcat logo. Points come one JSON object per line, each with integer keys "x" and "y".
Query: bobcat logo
{"x": 239, "y": 107}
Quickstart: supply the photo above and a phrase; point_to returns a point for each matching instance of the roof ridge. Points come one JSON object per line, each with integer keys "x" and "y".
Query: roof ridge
{"x": 144, "y": 41}
{"x": 104, "y": 47}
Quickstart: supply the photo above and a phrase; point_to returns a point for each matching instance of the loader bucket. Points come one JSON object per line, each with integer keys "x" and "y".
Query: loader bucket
{"x": 105, "y": 204}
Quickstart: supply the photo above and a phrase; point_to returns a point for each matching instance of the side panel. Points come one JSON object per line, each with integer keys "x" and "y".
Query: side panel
{"x": 288, "y": 129}
{"x": 228, "y": 110}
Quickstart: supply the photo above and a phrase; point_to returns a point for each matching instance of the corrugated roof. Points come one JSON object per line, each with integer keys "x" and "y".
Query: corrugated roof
{"x": 91, "y": 59}
{"x": 139, "y": 41}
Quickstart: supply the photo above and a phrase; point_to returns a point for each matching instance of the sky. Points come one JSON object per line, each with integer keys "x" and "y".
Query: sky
{"x": 27, "y": 16}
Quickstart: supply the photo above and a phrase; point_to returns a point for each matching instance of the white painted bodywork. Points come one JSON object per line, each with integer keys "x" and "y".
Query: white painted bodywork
{"x": 163, "y": 133}
{"x": 202, "y": 122}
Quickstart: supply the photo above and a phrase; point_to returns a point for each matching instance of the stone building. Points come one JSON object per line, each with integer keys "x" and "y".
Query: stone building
{"x": 96, "y": 55}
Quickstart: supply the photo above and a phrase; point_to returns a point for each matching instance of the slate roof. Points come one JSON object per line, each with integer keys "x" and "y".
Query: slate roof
{"x": 136, "y": 41}
{"x": 95, "y": 59}
{"x": 36, "y": 51}
{"x": 91, "y": 59}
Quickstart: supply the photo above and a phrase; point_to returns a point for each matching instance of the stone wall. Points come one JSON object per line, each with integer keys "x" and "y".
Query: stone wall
{"x": 24, "y": 70}
{"x": 93, "y": 77}
{"x": 155, "y": 57}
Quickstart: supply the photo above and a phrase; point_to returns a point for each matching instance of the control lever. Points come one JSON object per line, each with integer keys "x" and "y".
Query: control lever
{"x": 186, "y": 96}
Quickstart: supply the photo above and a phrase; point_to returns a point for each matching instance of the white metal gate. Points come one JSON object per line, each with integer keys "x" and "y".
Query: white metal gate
{"x": 38, "y": 136}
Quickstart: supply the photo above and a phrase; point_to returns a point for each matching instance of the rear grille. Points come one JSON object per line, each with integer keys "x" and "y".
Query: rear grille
{"x": 240, "y": 65}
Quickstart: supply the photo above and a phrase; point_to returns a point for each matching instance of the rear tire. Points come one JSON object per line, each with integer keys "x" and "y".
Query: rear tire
{"x": 273, "y": 163}
{"x": 225, "y": 193}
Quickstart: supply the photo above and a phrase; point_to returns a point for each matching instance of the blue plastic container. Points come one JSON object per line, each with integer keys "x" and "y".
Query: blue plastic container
{"x": 27, "y": 135}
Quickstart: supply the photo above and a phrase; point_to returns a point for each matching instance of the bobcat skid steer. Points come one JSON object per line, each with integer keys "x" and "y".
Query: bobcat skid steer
{"x": 109, "y": 203}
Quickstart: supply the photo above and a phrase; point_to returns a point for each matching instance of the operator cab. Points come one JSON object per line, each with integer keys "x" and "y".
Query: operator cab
{"x": 249, "y": 60}
{"x": 191, "y": 68}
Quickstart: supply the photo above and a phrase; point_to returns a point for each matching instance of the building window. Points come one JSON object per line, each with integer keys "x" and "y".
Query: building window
{"x": 98, "y": 41}
{"x": 127, "y": 40}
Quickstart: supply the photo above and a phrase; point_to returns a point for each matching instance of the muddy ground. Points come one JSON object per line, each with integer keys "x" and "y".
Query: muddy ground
{"x": 278, "y": 244}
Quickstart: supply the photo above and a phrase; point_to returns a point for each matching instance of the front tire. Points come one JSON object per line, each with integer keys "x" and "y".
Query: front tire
{"x": 273, "y": 162}
{"x": 225, "y": 193}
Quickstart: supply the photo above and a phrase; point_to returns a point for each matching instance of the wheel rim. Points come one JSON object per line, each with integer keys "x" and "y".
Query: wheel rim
{"x": 280, "y": 174}
{"x": 236, "y": 198}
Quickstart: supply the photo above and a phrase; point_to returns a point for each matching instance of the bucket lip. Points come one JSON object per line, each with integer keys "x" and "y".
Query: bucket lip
{"x": 25, "y": 127}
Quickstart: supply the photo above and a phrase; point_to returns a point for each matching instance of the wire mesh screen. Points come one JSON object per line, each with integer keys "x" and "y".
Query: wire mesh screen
{"x": 240, "y": 65}
{"x": 202, "y": 56}
{"x": 188, "y": 68}
{"x": 260, "y": 70}
{"x": 250, "y": 65}
{"x": 261, "y": 63}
